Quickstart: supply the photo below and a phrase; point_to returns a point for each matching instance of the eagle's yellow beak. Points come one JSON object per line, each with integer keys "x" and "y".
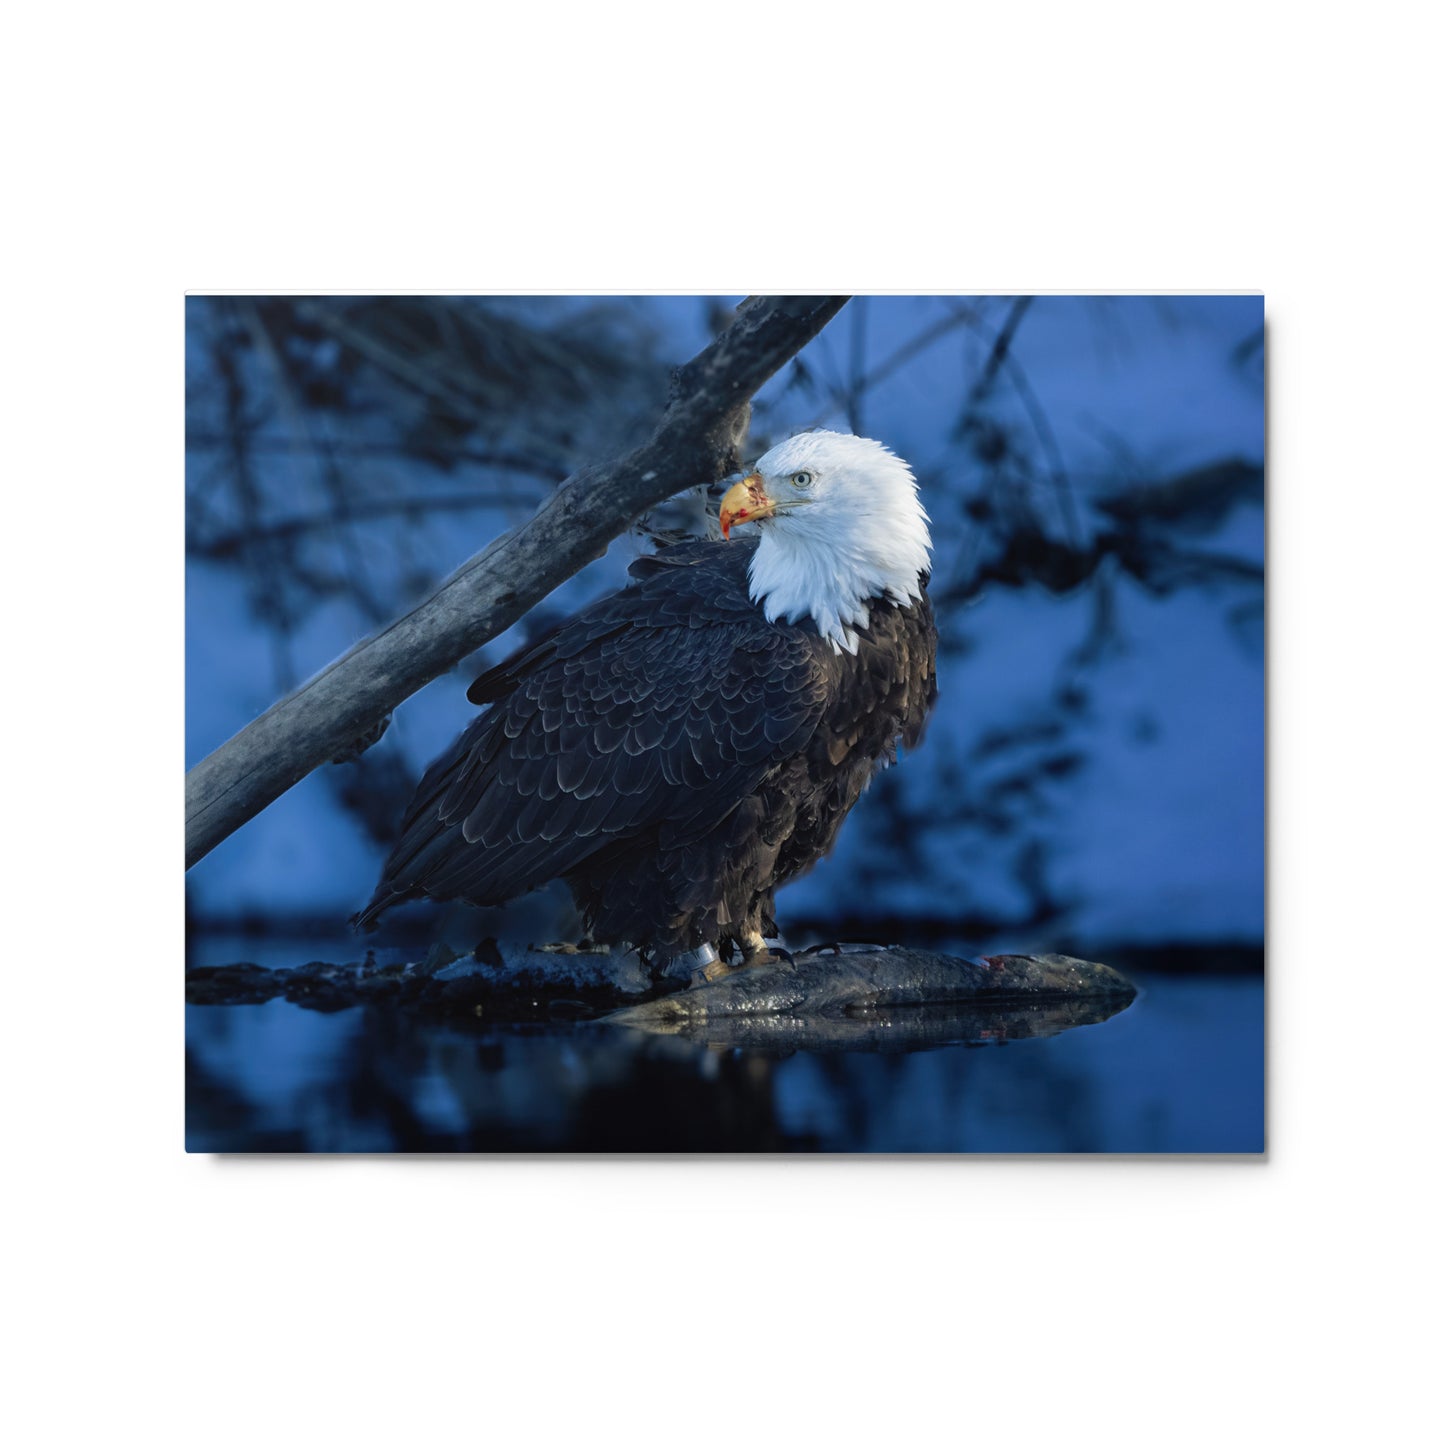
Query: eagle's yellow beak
{"x": 746, "y": 501}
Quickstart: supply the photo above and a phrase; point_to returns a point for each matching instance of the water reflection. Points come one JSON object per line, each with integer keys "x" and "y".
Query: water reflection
{"x": 1180, "y": 1070}
{"x": 886, "y": 1031}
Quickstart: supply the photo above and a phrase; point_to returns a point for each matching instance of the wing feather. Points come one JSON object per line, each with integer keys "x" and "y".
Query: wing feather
{"x": 652, "y": 713}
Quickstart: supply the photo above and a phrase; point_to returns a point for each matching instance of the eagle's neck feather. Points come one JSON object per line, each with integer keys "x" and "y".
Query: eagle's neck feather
{"x": 830, "y": 569}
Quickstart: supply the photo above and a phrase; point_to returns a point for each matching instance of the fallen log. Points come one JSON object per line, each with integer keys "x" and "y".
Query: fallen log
{"x": 857, "y": 997}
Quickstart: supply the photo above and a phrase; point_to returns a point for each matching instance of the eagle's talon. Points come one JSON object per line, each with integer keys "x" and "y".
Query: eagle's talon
{"x": 774, "y": 956}
{"x": 712, "y": 972}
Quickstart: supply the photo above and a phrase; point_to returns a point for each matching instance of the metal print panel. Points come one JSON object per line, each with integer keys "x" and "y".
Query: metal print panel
{"x": 689, "y": 724}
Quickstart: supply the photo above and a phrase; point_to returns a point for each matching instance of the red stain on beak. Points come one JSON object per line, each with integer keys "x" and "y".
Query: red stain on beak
{"x": 746, "y": 501}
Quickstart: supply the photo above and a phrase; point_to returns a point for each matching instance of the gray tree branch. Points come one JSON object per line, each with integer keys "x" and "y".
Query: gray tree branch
{"x": 696, "y": 443}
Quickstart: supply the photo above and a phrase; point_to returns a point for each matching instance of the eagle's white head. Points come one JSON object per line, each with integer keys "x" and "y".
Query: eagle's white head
{"x": 840, "y": 522}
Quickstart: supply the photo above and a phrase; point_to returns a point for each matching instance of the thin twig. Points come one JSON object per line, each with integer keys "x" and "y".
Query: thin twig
{"x": 229, "y": 543}
{"x": 998, "y": 354}
{"x": 905, "y": 353}
{"x": 330, "y": 473}
{"x": 1058, "y": 472}
{"x": 472, "y": 456}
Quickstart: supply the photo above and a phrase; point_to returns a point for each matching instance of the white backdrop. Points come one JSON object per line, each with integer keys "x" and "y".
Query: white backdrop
{"x": 282, "y": 147}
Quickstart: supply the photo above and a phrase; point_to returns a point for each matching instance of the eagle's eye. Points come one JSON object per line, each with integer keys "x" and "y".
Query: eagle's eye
{"x": 802, "y": 480}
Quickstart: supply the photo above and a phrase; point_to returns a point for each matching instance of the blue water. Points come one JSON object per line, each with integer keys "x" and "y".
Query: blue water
{"x": 1180, "y": 1070}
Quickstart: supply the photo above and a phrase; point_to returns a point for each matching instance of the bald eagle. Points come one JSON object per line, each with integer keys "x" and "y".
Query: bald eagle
{"x": 683, "y": 748}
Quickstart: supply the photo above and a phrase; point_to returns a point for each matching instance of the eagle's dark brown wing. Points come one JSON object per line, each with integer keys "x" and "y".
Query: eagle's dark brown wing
{"x": 652, "y": 713}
